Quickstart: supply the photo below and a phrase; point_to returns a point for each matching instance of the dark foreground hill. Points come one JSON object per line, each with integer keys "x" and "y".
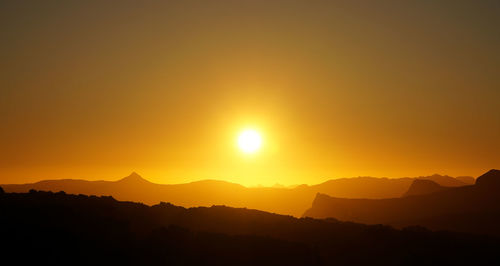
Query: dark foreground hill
{"x": 472, "y": 208}
{"x": 289, "y": 201}
{"x": 56, "y": 228}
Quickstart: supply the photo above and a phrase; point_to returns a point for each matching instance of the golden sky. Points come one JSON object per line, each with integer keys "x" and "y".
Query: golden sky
{"x": 98, "y": 89}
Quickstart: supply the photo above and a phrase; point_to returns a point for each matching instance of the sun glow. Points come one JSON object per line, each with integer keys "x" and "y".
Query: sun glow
{"x": 249, "y": 141}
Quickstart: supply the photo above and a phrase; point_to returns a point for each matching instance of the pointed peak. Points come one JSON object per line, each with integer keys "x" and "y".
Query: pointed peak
{"x": 133, "y": 177}
{"x": 134, "y": 174}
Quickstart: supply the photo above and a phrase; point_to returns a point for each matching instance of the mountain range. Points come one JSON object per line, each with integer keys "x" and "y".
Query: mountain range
{"x": 474, "y": 208}
{"x": 289, "y": 201}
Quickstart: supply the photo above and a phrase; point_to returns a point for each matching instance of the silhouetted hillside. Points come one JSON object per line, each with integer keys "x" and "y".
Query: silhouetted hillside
{"x": 57, "y": 228}
{"x": 422, "y": 186}
{"x": 489, "y": 181}
{"x": 290, "y": 201}
{"x": 472, "y": 208}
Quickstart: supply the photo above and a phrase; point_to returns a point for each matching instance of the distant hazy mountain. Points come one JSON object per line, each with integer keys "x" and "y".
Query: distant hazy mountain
{"x": 423, "y": 186}
{"x": 473, "y": 208}
{"x": 45, "y": 228}
{"x": 466, "y": 179}
{"x": 291, "y": 201}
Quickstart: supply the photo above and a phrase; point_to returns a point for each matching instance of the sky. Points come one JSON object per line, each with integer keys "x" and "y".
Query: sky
{"x": 98, "y": 89}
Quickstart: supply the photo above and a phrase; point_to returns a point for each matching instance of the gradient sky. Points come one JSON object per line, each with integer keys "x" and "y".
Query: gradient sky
{"x": 98, "y": 89}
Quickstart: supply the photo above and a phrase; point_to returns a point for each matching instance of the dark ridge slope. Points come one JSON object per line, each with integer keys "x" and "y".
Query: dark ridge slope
{"x": 490, "y": 180}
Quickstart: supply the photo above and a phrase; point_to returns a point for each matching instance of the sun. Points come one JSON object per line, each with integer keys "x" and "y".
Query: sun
{"x": 249, "y": 141}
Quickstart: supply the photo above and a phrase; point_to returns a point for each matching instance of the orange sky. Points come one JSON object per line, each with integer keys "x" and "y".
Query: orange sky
{"x": 337, "y": 88}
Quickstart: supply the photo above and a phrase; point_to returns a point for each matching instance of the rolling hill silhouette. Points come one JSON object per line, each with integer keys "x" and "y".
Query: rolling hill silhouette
{"x": 289, "y": 201}
{"x": 472, "y": 208}
{"x": 60, "y": 229}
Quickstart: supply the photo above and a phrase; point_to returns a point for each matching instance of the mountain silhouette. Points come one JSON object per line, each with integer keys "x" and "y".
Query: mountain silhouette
{"x": 490, "y": 180}
{"x": 423, "y": 186}
{"x": 466, "y": 179}
{"x": 471, "y": 208}
{"x": 133, "y": 178}
{"x": 449, "y": 181}
{"x": 289, "y": 201}
{"x": 60, "y": 229}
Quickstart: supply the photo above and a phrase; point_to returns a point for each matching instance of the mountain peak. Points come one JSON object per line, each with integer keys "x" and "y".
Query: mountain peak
{"x": 133, "y": 177}
{"x": 489, "y": 179}
{"x": 423, "y": 186}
